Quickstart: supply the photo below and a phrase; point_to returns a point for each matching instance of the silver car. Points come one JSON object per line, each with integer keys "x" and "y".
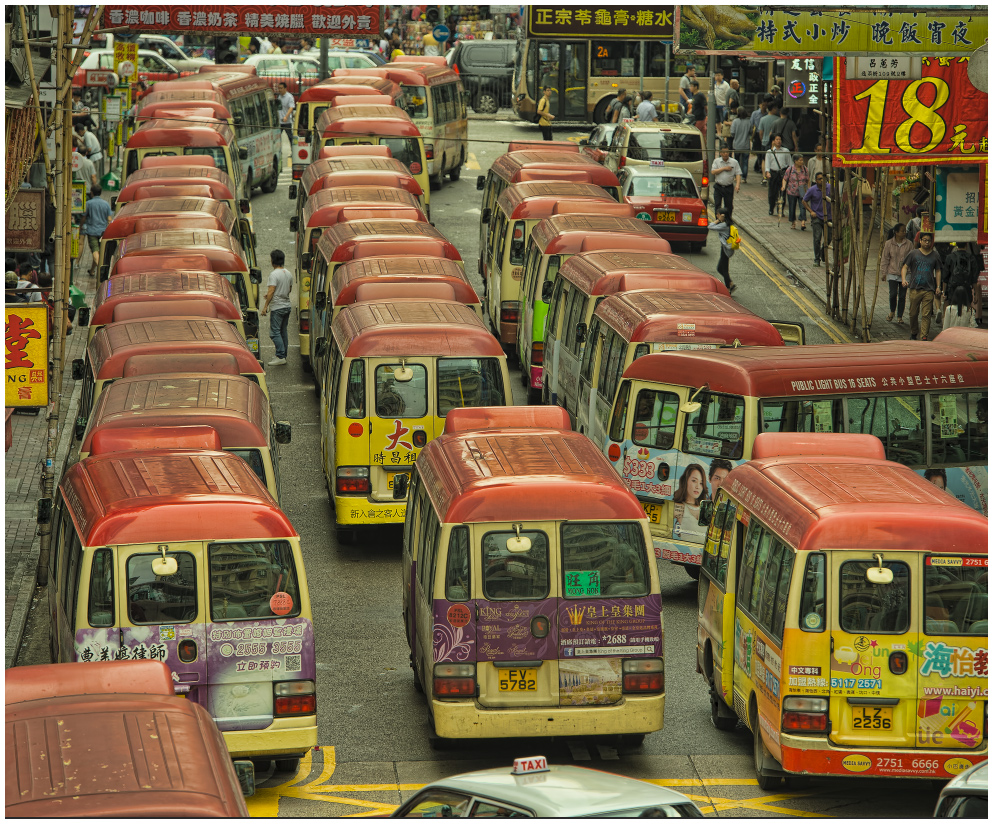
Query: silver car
{"x": 966, "y": 795}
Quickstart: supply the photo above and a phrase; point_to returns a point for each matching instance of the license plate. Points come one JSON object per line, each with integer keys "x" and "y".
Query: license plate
{"x": 654, "y": 512}
{"x": 391, "y": 478}
{"x": 665, "y": 217}
{"x": 519, "y": 680}
{"x": 872, "y": 718}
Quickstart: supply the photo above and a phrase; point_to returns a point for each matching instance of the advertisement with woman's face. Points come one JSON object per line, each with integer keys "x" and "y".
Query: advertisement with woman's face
{"x": 692, "y": 489}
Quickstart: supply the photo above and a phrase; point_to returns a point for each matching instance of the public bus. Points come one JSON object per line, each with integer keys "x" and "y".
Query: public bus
{"x": 682, "y": 409}
{"x": 394, "y": 371}
{"x": 530, "y": 602}
{"x": 254, "y": 114}
{"x": 842, "y": 614}
{"x": 178, "y": 555}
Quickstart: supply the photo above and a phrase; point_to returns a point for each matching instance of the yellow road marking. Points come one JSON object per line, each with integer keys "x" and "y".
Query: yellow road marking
{"x": 472, "y": 164}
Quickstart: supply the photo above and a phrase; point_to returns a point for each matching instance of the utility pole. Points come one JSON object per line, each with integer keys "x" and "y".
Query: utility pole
{"x": 710, "y": 138}
{"x": 324, "y": 58}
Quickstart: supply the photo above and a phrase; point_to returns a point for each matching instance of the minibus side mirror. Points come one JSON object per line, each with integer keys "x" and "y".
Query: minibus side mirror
{"x": 245, "y": 206}
{"x": 305, "y": 261}
{"x": 245, "y": 770}
{"x": 113, "y": 203}
{"x": 105, "y": 271}
{"x": 480, "y": 183}
{"x": 283, "y": 431}
{"x": 293, "y": 191}
{"x": 294, "y": 223}
{"x": 78, "y": 369}
{"x": 80, "y": 428}
{"x": 546, "y": 290}
{"x": 400, "y": 481}
{"x": 706, "y": 513}
{"x": 485, "y": 216}
{"x": 255, "y": 275}
{"x": 321, "y": 347}
{"x": 580, "y": 333}
{"x": 320, "y": 301}
{"x": 243, "y": 152}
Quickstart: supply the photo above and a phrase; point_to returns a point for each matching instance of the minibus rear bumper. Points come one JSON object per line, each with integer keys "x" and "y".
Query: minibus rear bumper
{"x": 360, "y": 511}
{"x": 508, "y": 334}
{"x": 634, "y": 714}
{"x": 284, "y": 736}
{"x": 816, "y": 756}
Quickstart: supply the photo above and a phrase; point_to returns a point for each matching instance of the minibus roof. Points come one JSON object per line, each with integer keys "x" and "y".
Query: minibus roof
{"x": 361, "y": 100}
{"x": 165, "y": 109}
{"x": 670, "y": 272}
{"x": 164, "y": 495}
{"x": 312, "y": 175}
{"x": 480, "y": 418}
{"x": 966, "y": 337}
{"x": 348, "y": 178}
{"x": 808, "y": 370}
{"x": 336, "y": 242}
{"x": 390, "y": 247}
{"x": 114, "y": 343}
{"x": 538, "y": 208}
{"x": 518, "y": 475}
{"x": 167, "y": 132}
{"x": 234, "y": 406}
{"x": 349, "y": 276}
{"x": 177, "y": 208}
{"x": 185, "y": 161}
{"x": 424, "y": 60}
{"x": 406, "y": 75}
{"x": 512, "y": 167}
{"x": 219, "y": 181}
{"x": 519, "y": 194}
{"x": 158, "y": 222}
{"x": 119, "y": 764}
{"x": 223, "y": 250}
{"x": 211, "y": 363}
{"x": 332, "y": 151}
{"x": 380, "y": 121}
{"x": 162, "y": 93}
{"x": 821, "y": 444}
{"x": 203, "y": 190}
{"x": 166, "y": 262}
{"x": 413, "y": 327}
{"x": 179, "y": 308}
{"x": 331, "y": 87}
{"x": 685, "y": 317}
{"x": 833, "y": 502}
{"x": 165, "y": 285}
{"x": 571, "y": 234}
{"x": 543, "y": 146}
{"x": 326, "y": 206}
{"x": 132, "y": 438}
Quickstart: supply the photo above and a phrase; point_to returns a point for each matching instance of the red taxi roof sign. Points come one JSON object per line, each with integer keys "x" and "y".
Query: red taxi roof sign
{"x": 532, "y": 764}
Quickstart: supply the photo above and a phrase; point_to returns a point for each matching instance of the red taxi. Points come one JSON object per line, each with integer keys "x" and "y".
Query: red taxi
{"x": 668, "y": 200}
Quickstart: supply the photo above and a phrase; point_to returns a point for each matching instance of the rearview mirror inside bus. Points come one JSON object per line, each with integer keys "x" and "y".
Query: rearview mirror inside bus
{"x": 245, "y": 770}
{"x": 480, "y": 183}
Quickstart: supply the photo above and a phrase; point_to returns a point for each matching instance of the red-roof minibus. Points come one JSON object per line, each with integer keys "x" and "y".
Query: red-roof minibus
{"x": 329, "y": 152}
{"x": 966, "y": 337}
{"x": 179, "y": 555}
{"x": 681, "y": 409}
{"x": 127, "y": 746}
{"x": 154, "y": 103}
{"x": 530, "y": 601}
{"x": 842, "y": 613}
{"x": 394, "y": 369}
{"x": 174, "y": 161}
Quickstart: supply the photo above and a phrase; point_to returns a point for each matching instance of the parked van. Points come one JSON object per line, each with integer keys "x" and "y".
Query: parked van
{"x": 395, "y": 369}
{"x": 638, "y": 143}
{"x": 181, "y": 563}
{"x": 160, "y": 179}
{"x": 530, "y": 601}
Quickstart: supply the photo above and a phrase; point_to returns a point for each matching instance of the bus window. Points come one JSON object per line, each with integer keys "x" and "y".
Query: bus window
{"x": 404, "y": 149}
{"x": 468, "y": 382}
{"x": 355, "y": 395}
{"x": 238, "y": 283}
{"x": 611, "y": 365}
{"x": 457, "y": 574}
{"x": 958, "y": 428}
{"x": 515, "y": 576}
{"x": 812, "y": 617}
{"x": 401, "y": 400}
{"x": 618, "y": 59}
{"x": 216, "y": 152}
{"x": 874, "y": 608}
{"x": 604, "y": 561}
{"x": 576, "y": 309}
{"x": 589, "y": 351}
{"x": 620, "y": 412}
{"x": 753, "y": 597}
{"x": 101, "y": 606}
{"x": 167, "y": 600}
{"x": 896, "y": 421}
{"x": 802, "y": 415}
{"x": 417, "y": 101}
{"x": 254, "y": 459}
{"x": 655, "y": 419}
{"x": 955, "y": 600}
{"x": 717, "y": 428}
{"x": 244, "y": 576}
{"x": 775, "y": 575}
{"x": 755, "y": 532}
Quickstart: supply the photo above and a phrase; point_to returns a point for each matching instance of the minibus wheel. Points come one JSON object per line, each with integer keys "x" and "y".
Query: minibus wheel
{"x": 456, "y": 173}
{"x": 720, "y": 722}
{"x": 345, "y": 535}
{"x": 249, "y": 184}
{"x": 763, "y": 760}
{"x": 439, "y": 179}
{"x": 693, "y": 572}
{"x": 632, "y": 741}
{"x": 270, "y": 185}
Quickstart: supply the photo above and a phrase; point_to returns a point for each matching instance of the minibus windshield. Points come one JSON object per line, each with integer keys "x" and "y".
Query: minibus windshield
{"x": 216, "y": 152}
{"x": 254, "y": 459}
{"x": 956, "y": 597}
{"x": 604, "y": 560}
{"x": 238, "y": 282}
{"x": 515, "y": 576}
{"x": 401, "y": 399}
{"x": 245, "y": 576}
{"x": 417, "y": 101}
{"x": 469, "y": 382}
{"x": 404, "y": 149}
{"x": 674, "y": 147}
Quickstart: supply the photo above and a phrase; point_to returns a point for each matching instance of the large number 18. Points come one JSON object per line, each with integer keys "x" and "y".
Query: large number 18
{"x": 926, "y": 115}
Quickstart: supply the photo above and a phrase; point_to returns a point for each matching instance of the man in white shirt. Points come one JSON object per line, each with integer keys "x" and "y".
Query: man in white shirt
{"x": 777, "y": 161}
{"x": 646, "y": 109}
{"x": 721, "y": 90}
{"x": 265, "y": 44}
{"x": 286, "y": 106}
{"x": 90, "y": 142}
{"x": 278, "y": 297}
{"x": 685, "y": 95}
{"x": 84, "y": 170}
{"x": 727, "y": 180}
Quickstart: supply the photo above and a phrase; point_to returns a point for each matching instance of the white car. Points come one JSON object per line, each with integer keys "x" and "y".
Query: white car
{"x": 152, "y": 67}
{"x": 966, "y": 795}
{"x": 170, "y": 51}
{"x": 297, "y": 71}
{"x": 533, "y": 789}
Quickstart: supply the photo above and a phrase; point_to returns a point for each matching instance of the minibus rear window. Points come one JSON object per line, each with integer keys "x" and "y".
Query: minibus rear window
{"x": 245, "y": 576}
{"x": 408, "y": 399}
{"x": 168, "y": 599}
{"x": 457, "y": 574}
{"x": 238, "y": 282}
{"x": 101, "y": 606}
{"x": 956, "y": 598}
{"x": 405, "y": 149}
{"x": 515, "y": 576}
{"x": 606, "y": 560}
{"x": 874, "y": 608}
{"x": 355, "y": 391}
{"x": 466, "y": 382}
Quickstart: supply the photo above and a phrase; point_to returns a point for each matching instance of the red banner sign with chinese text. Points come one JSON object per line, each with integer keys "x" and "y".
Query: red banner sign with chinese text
{"x": 26, "y": 354}
{"x": 940, "y": 118}
{"x": 333, "y": 21}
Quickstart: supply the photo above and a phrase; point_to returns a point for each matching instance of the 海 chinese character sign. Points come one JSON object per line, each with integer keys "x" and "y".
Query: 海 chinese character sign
{"x": 939, "y": 118}
{"x": 26, "y": 348}
{"x": 650, "y": 22}
{"x": 333, "y": 21}
{"x": 25, "y": 222}
{"x": 751, "y": 29}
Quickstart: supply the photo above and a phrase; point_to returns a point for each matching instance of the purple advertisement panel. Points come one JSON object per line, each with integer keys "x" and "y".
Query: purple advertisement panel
{"x": 610, "y": 627}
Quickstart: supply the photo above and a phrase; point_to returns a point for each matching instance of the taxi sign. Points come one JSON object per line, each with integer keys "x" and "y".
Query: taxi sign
{"x": 656, "y": 164}
{"x": 536, "y": 763}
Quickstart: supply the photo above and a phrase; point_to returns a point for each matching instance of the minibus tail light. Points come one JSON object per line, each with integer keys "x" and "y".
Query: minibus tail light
{"x": 537, "y": 354}
{"x": 305, "y": 321}
{"x": 429, "y": 151}
{"x": 622, "y": 162}
{"x": 643, "y": 675}
{"x": 295, "y": 698}
{"x": 510, "y": 311}
{"x": 802, "y": 714}
{"x": 352, "y": 480}
{"x": 454, "y": 680}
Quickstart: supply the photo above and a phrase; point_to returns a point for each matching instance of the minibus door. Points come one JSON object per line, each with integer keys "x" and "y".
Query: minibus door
{"x": 793, "y": 334}
{"x": 874, "y": 642}
{"x": 516, "y": 626}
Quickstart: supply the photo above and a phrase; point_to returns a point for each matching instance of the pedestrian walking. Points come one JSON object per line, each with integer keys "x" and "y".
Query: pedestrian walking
{"x": 756, "y": 134}
{"x": 720, "y": 91}
{"x": 734, "y": 98}
{"x": 698, "y": 107}
{"x": 278, "y": 297}
{"x": 959, "y": 311}
{"x": 286, "y": 106}
{"x": 819, "y": 208}
{"x": 685, "y": 93}
{"x": 647, "y": 112}
{"x": 895, "y": 252}
{"x": 961, "y": 268}
{"x": 777, "y": 161}
{"x": 786, "y": 128}
{"x": 796, "y": 181}
{"x": 613, "y": 109}
{"x": 83, "y": 170}
{"x": 95, "y": 220}
{"x": 91, "y": 146}
{"x": 818, "y": 164}
{"x": 727, "y": 180}
{"x": 921, "y": 271}
{"x": 545, "y": 116}
{"x": 723, "y": 225}
{"x": 740, "y": 140}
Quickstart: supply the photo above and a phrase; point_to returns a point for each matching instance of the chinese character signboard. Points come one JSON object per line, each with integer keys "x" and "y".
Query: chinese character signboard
{"x": 957, "y": 204}
{"x": 25, "y": 225}
{"x": 755, "y": 29}
{"x": 126, "y": 60}
{"x": 26, "y": 347}
{"x": 982, "y": 234}
{"x": 804, "y": 85}
{"x": 903, "y": 67}
{"x": 939, "y": 118}
{"x": 333, "y": 21}
{"x": 639, "y": 22}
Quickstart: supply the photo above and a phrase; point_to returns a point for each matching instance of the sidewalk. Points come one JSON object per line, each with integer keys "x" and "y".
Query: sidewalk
{"x": 23, "y": 463}
{"x": 793, "y": 250}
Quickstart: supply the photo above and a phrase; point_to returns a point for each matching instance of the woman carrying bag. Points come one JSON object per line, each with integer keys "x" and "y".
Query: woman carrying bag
{"x": 796, "y": 181}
